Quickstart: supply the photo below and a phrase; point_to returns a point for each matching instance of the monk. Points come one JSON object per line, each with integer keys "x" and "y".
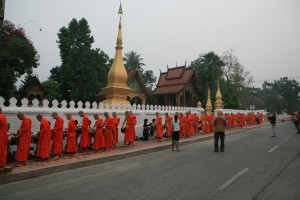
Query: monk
{"x": 188, "y": 125}
{"x": 196, "y": 123}
{"x": 24, "y": 134}
{"x": 129, "y": 129}
{"x": 210, "y": 124}
{"x": 43, "y": 149}
{"x": 168, "y": 124}
{"x": 134, "y": 124}
{"x": 99, "y": 137}
{"x": 85, "y": 141}
{"x": 3, "y": 139}
{"x": 71, "y": 146}
{"x": 57, "y": 135}
{"x": 159, "y": 127}
{"x": 205, "y": 125}
{"x": 108, "y": 124}
{"x": 182, "y": 125}
{"x": 116, "y": 120}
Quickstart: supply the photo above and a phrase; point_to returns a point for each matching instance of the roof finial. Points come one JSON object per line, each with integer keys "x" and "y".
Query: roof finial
{"x": 120, "y": 9}
{"x": 176, "y": 63}
{"x": 185, "y": 63}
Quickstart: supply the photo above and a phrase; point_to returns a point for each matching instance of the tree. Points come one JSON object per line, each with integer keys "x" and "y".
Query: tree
{"x": 208, "y": 69}
{"x": 133, "y": 60}
{"x": 52, "y": 87}
{"x": 17, "y": 57}
{"x": 282, "y": 94}
{"x": 83, "y": 70}
{"x": 236, "y": 80}
{"x": 149, "y": 79}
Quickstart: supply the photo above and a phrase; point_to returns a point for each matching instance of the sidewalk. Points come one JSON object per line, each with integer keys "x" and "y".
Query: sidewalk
{"x": 39, "y": 168}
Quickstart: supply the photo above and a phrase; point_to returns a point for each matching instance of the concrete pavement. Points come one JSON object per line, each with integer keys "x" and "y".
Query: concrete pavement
{"x": 254, "y": 166}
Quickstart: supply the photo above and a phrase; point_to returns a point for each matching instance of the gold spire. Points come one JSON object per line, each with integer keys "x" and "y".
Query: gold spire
{"x": 208, "y": 109}
{"x": 117, "y": 90}
{"x": 218, "y": 103}
{"x": 120, "y": 10}
{"x": 199, "y": 104}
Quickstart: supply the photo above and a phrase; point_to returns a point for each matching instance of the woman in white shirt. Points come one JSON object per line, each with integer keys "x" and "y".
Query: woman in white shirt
{"x": 175, "y": 132}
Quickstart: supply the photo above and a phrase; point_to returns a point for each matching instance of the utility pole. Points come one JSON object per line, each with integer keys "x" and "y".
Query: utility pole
{"x": 2, "y": 8}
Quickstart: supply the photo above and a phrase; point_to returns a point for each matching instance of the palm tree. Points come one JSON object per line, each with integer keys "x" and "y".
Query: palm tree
{"x": 133, "y": 60}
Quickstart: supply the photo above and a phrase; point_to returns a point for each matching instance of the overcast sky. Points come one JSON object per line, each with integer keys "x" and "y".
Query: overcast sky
{"x": 265, "y": 34}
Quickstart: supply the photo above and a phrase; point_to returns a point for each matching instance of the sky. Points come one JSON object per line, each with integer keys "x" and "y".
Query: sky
{"x": 264, "y": 34}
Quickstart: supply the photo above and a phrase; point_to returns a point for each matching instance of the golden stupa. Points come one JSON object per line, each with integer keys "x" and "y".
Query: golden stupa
{"x": 208, "y": 108}
{"x": 219, "y": 102}
{"x": 117, "y": 89}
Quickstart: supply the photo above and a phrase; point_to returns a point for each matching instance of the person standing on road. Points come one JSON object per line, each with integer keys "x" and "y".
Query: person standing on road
{"x": 296, "y": 120}
{"x": 24, "y": 134}
{"x": 57, "y": 135}
{"x": 272, "y": 119}
{"x": 175, "y": 132}
{"x": 219, "y": 123}
{"x": 3, "y": 139}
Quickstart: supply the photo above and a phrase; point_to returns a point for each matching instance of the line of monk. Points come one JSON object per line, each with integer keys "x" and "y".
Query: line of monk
{"x": 104, "y": 132}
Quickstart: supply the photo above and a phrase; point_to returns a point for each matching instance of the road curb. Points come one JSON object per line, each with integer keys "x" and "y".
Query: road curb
{"x": 84, "y": 163}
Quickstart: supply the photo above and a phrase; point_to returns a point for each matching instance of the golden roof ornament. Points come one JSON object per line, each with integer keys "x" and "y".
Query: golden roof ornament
{"x": 208, "y": 108}
{"x": 199, "y": 104}
{"x": 219, "y": 102}
{"x": 120, "y": 9}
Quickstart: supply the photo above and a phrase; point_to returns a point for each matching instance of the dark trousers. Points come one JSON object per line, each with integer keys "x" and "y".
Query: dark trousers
{"x": 221, "y": 136}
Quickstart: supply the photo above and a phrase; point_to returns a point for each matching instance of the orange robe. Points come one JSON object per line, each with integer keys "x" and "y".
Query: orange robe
{"x": 182, "y": 126}
{"x": 159, "y": 127}
{"x": 24, "y": 134}
{"x": 116, "y": 120}
{"x": 71, "y": 146}
{"x": 134, "y": 124}
{"x": 196, "y": 122}
{"x": 211, "y": 126}
{"x": 57, "y": 137}
{"x": 99, "y": 138}
{"x": 168, "y": 122}
{"x": 3, "y": 140}
{"x": 85, "y": 140}
{"x": 228, "y": 119}
{"x": 108, "y": 137}
{"x": 188, "y": 126}
{"x": 43, "y": 149}
{"x": 129, "y": 131}
{"x": 204, "y": 125}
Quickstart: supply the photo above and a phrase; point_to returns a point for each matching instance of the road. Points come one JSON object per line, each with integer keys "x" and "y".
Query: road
{"x": 254, "y": 166}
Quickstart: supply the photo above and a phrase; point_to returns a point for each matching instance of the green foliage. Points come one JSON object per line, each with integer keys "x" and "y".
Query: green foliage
{"x": 83, "y": 70}
{"x": 208, "y": 68}
{"x": 149, "y": 79}
{"x": 17, "y": 57}
{"x": 282, "y": 95}
{"x": 52, "y": 87}
{"x": 133, "y": 60}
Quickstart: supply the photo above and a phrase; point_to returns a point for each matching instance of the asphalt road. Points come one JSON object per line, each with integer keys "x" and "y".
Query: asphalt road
{"x": 254, "y": 166}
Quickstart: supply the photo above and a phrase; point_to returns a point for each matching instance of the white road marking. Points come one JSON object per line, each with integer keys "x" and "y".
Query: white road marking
{"x": 288, "y": 137}
{"x": 273, "y": 148}
{"x": 234, "y": 178}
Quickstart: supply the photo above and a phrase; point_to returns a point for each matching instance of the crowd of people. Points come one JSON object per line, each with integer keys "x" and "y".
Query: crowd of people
{"x": 49, "y": 140}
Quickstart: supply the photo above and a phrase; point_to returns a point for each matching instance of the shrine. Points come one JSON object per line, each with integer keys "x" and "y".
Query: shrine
{"x": 177, "y": 87}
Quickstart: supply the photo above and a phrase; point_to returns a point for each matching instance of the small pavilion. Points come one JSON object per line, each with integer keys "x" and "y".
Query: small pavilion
{"x": 177, "y": 87}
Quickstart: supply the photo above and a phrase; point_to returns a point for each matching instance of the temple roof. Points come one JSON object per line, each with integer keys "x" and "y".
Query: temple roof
{"x": 135, "y": 74}
{"x": 174, "y": 80}
{"x": 33, "y": 81}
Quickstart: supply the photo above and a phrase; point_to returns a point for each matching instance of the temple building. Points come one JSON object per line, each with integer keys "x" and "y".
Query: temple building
{"x": 177, "y": 87}
{"x": 33, "y": 89}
